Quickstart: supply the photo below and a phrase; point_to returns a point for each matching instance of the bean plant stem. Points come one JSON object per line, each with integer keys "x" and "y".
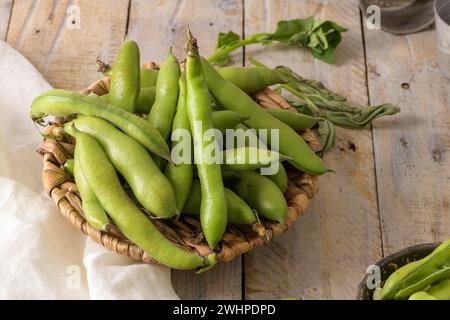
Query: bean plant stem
{"x": 256, "y": 38}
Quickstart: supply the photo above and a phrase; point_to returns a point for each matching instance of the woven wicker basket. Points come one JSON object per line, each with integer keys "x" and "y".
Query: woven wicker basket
{"x": 58, "y": 147}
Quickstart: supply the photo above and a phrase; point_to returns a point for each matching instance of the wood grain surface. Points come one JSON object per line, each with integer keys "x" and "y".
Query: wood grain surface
{"x": 43, "y": 32}
{"x": 412, "y": 148}
{"x": 392, "y": 181}
{"x": 327, "y": 251}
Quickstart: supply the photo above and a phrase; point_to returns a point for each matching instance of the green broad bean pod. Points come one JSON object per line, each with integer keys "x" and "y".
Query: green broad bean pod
{"x": 164, "y": 108}
{"x": 226, "y": 119}
{"x": 62, "y": 103}
{"x": 440, "y": 290}
{"x": 422, "y": 295}
{"x": 290, "y": 143}
{"x": 134, "y": 224}
{"x": 280, "y": 178}
{"x": 249, "y": 158}
{"x": 251, "y": 80}
{"x": 92, "y": 209}
{"x": 297, "y": 121}
{"x": 144, "y": 101}
{"x": 125, "y": 77}
{"x": 418, "y": 275}
{"x": 238, "y": 211}
{"x": 148, "y": 76}
{"x": 150, "y": 187}
{"x": 69, "y": 166}
{"x": 180, "y": 176}
{"x": 261, "y": 194}
{"x": 213, "y": 209}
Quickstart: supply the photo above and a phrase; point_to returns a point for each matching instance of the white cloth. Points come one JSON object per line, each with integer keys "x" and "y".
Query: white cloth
{"x": 41, "y": 255}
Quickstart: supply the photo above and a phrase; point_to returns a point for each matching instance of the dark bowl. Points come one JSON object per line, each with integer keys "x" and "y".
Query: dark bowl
{"x": 391, "y": 263}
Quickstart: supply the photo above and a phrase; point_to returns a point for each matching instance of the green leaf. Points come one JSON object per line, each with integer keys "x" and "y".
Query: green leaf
{"x": 327, "y": 136}
{"x": 360, "y": 118}
{"x": 294, "y": 31}
{"x": 225, "y": 40}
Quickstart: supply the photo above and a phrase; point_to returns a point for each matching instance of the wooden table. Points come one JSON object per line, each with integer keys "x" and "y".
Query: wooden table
{"x": 392, "y": 183}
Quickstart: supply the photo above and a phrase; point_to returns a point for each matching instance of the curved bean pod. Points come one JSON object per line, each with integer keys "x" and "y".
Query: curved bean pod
{"x": 165, "y": 106}
{"x": 150, "y": 187}
{"x": 252, "y": 79}
{"x": 441, "y": 290}
{"x": 180, "y": 175}
{"x": 290, "y": 144}
{"x": 148, "y": 76}
{"x": 280, "y": 178}
{"x": 125, "y": 77}
{"x": 422, "y": 295}
{"x": 226, "y": 119}
{"x": 134, "y": 224}
{"x": 417, "y": 275}
{"x": 213, "y": 211}
{"x": 92, "y": 209}
{"x": 143, "y": 103}
{"x": 69, "y": 166}
{"x": 238, "y": 211}
{"x": 297, "y": 121}
{"x": 249, "y": 158}
{"x": 62, "y": 103}
{"x": 261, "y": 194}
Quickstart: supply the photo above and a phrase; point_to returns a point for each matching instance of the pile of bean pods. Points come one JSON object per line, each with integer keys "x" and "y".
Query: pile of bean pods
{"x": 123, "y": 166}
{"x": 424, "y": 279}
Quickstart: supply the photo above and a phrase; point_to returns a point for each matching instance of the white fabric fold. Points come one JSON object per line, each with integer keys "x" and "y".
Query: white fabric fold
{"x": 41, "y": 255}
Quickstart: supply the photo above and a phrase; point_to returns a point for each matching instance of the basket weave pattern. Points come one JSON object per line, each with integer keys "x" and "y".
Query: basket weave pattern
{"x": 58, "y": 147}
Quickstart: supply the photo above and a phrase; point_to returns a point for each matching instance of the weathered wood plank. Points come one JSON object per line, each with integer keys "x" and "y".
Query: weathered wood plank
{"x": 48, "y": 36}
{"x": 157, "y": 25}
{"x": 5, "y": 15}
{"x": 412, "y": 149}
{"x": 327, "y": 251}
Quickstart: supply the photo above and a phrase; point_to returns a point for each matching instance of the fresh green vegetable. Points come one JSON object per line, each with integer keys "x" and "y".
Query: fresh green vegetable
{"x": 150, "y": 187}
{"x": 418, "y": 275}
{"x": 144, "y": 101}
{"x": 250, "y": 80}
{"x": 213, "y": 211}
{"x": 422, "y": 295}
{"x": 280, "y": 178}
{"x": 261, "y": 194}
{"x": 238, "y": 211}
{"x": 320, "y": 37}
{"x": 441, "y": 290}
{"x": 69, "y": 166}
{"x": 125, "y": 78}
{"x": 290, "y": 143}
{"x": 163, "y": 110}
{"x": 62, "y": 103}
{"x": 92, "y": 209}
{"x": 134, "y": 224}
{"x": 250, "y": 158}
{"x": 148, "y": 76}
{"x": 226, "y": 119}
{"x": 319, "y": 102}
{"x": 297, "y": 121}
{"x": 180, "y": 175}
